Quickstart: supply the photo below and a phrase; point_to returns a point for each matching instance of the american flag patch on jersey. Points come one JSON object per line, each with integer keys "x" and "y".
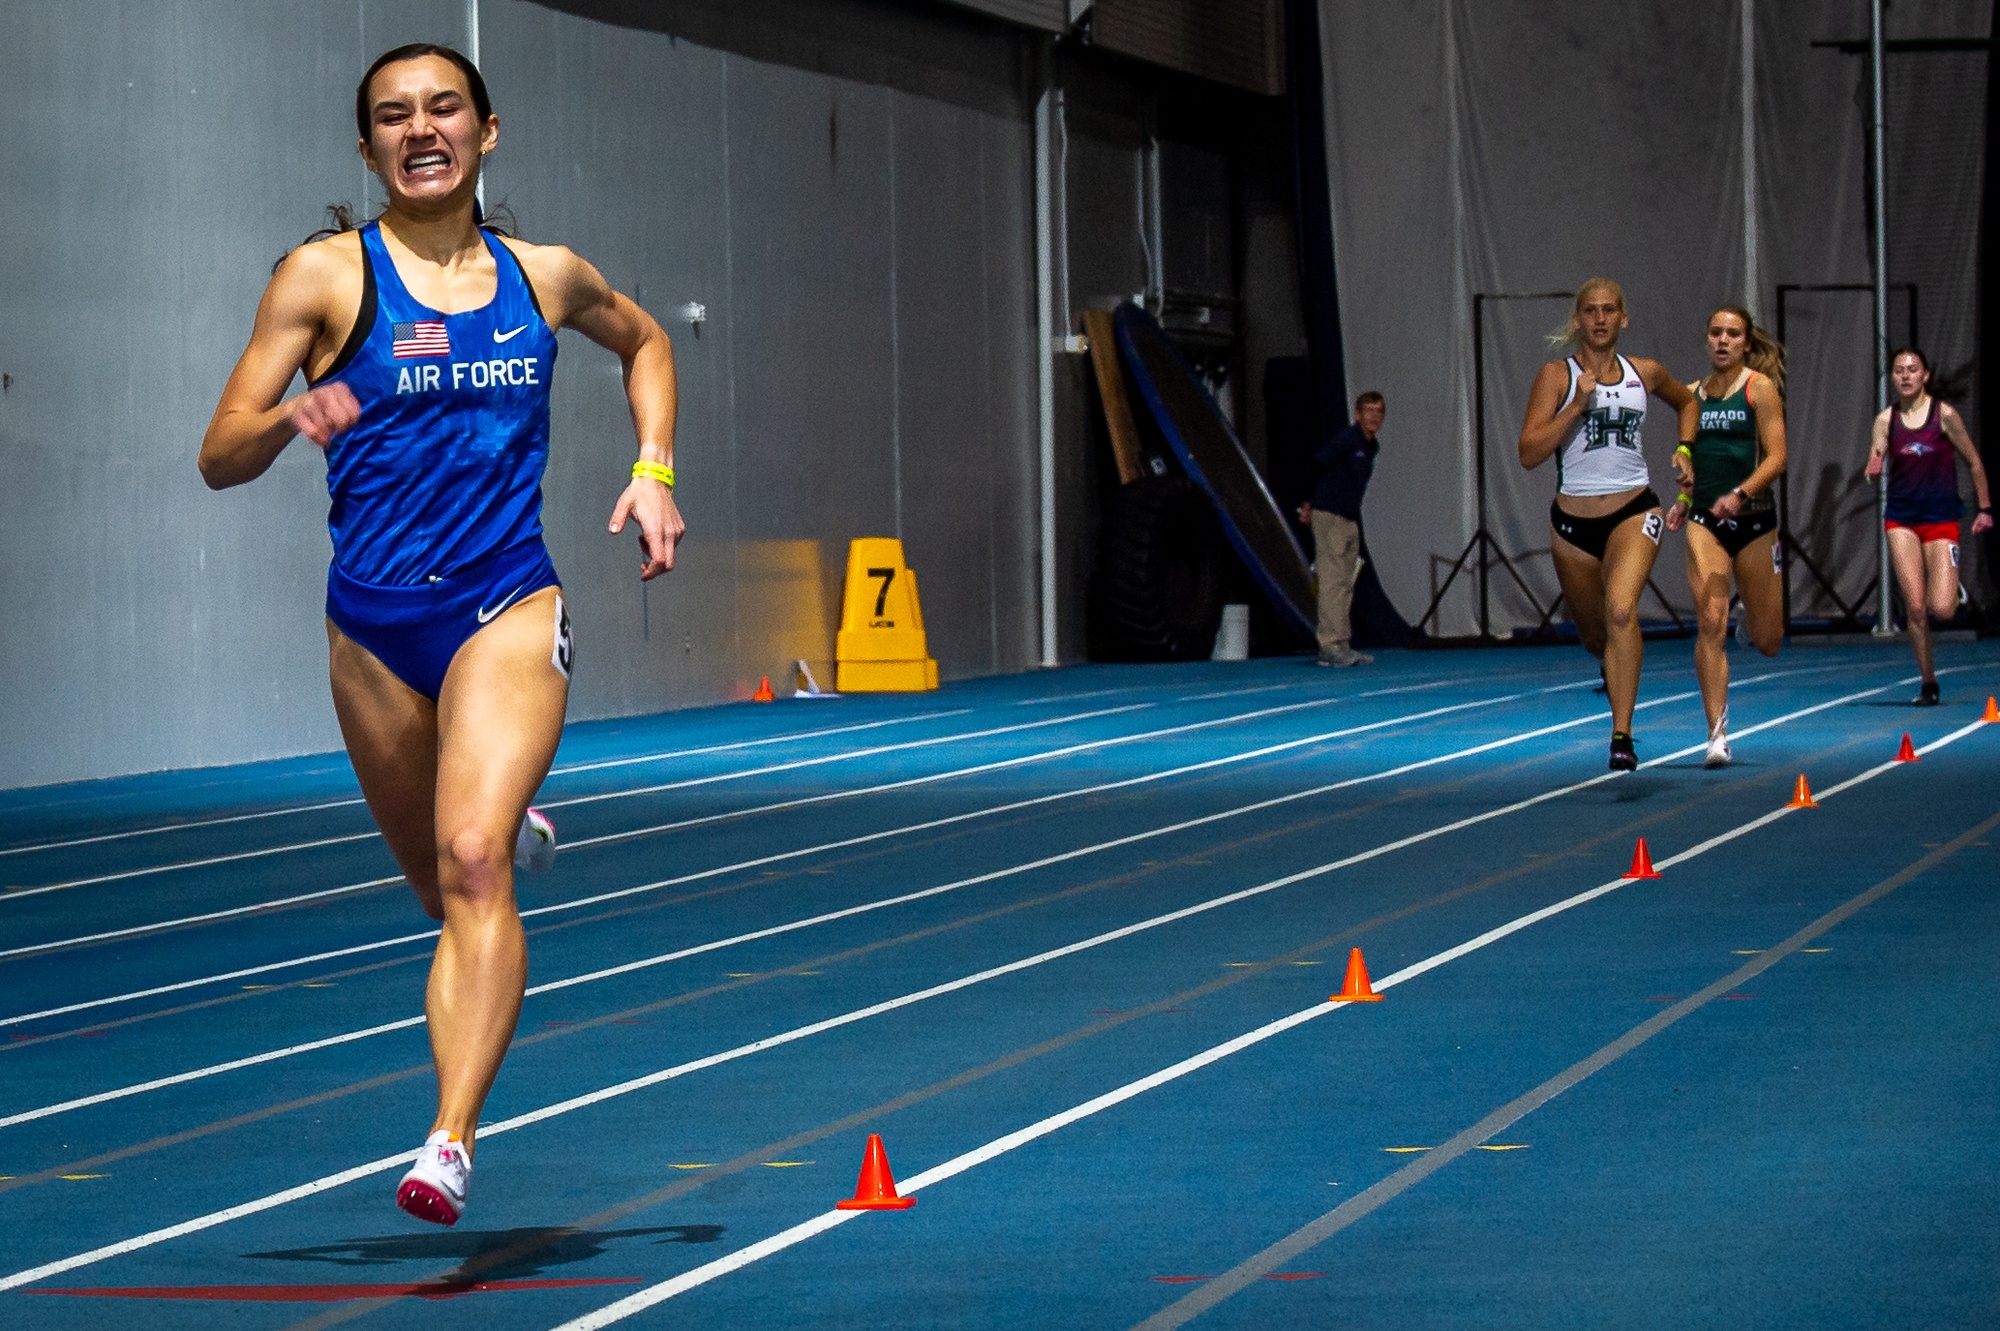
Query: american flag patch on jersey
{"x": 426, "y": 337}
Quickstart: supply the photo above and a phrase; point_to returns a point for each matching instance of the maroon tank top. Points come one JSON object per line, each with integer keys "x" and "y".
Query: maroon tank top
{"x": 1923, "y": 474}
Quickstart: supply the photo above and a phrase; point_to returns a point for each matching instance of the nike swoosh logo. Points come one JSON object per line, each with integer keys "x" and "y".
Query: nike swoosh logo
{"x": 499, "y": 336}
{"x": 486, "y": 615}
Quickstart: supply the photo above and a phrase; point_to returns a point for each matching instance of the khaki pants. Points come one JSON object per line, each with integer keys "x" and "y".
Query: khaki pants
{"x": 1337, "y": 561}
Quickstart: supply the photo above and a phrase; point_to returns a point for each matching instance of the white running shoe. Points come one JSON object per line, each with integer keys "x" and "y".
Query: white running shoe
{"x": 1718, "y": 743}
{"x": 535, "y": 843}
{"x": 434, "y": 1189}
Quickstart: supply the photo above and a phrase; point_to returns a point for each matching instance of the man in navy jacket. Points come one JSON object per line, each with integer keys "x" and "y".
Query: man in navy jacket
{"x": 1345, "y": 462}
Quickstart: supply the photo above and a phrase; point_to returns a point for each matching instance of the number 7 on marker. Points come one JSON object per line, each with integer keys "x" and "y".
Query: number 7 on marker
{"x": 888, "y": 575}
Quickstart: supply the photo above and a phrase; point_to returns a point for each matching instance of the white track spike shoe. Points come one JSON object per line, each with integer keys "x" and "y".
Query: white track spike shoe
{"x": 535, "y": 843}
{"x": 434, "y": 1189}
{"x": 1719, "y": 754}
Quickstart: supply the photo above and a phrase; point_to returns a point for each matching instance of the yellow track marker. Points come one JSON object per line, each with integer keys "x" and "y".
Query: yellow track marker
{"x": 1815, "y": 949}
{"x": 701, "y": 1166}
{"x": 1305, "y": 963}
{"x": 787, "y": 1164}
{"x": 78, "y": 1178}
{"x": 256, "y": 986}
{"x": 1507, "y": 1146}
{"x": 1239, "y": 963}
{"x": 1405, "y": 1150}
{"x": 1748, "y": 951}
{"x": 328, "y": 984}
{"x": 742, "y": 975}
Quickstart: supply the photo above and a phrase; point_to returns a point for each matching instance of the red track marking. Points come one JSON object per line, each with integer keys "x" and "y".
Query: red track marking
{"x": 423, "y": 1289}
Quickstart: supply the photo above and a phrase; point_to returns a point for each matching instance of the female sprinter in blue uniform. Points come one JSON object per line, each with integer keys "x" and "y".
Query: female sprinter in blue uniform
{"x": 1586, "y": 411}
{"x": 1924, "y": 507}
{"x": 428, "y": 343}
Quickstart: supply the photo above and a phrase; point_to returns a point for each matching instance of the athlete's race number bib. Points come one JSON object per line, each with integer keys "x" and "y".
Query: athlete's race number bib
{"x": 564, "y": 654}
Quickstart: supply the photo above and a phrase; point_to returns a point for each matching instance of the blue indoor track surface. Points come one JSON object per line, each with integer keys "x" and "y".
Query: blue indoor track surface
{"x": 1065, "y": 941}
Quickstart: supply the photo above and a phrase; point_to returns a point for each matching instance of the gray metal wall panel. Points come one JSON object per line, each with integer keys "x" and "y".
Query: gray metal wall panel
{"x": 1007, "y": 359}
{"x": 956, "y": 432}
{"x": 147, "y": 623}
{"x": 813, "y": 341}
{"x": 160, "y": 158}
{"x": 613, "y": 143}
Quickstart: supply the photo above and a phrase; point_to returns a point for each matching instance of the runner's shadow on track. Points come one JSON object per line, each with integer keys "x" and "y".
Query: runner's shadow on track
{"x": 538, "y": 1248}
{"x": 1636, "y": 788}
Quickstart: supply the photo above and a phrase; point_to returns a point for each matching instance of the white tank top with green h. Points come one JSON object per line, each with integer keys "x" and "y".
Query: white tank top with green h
{"x": 1601, "y": 454}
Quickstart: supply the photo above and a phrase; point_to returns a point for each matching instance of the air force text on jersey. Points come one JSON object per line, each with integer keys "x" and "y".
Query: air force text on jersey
{"x": 497, "y": 373}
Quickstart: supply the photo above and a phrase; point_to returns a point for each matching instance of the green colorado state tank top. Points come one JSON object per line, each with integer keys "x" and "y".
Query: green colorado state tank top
{"x": 1725, "y": 447}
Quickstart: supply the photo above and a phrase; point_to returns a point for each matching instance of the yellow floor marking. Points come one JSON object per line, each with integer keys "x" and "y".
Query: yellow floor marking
{"x": 801, "y": 972}
{"x": 6, "y": 1176}
{"x": 1815, "y": 949}
{"x": 742, "y": 975}
{"x": 78, "y": 1178}
{"x": 787, "y": 1164}
{"x": 327, "y": 985}
{"x": 1405, "y": 1150}
{"x": 1509, "y": 1146}
{"x": 1749, "y": 951}
{"x": 704, "y": 1166}
{"x": 1305, "y": 963}
{"x": 256, "y": 986}
{"x": 1239, "y": 963}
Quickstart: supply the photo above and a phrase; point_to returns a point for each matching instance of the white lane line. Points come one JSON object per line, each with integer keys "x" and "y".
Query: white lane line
{"x": 560, "y": 770}
{"x": 588, "y": 1099}
{"x": 794, "y": 926}
{"x": 764, "y": 860}
{"x": 654, "y": 1295}
{"x": 851, "y": 755}
{"x": 687, "y": 783}
{"x": 1043, "y": 756}
{"x": 601, "y": 764}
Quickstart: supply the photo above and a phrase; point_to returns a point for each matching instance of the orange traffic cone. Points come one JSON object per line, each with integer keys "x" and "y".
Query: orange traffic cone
{"x": 1992, "y": 710}
{"x": 1356, "y": 989}
{"x": 1908, "y": 753}
{"x": 1802, "y": 795}
{"x": 763, "y": 693}
{"x": 1642, "y": 862}
{"x": 876, "y": 1190}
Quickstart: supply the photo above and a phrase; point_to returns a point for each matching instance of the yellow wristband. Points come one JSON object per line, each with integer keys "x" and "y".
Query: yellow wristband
{"x": 1685, "y": 449}
{"x": 1684, "y": 499}
{"x": 653, "y": 471}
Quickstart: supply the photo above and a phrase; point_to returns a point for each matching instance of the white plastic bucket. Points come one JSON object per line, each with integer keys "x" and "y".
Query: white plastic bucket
{"x": 1232, "y": 640}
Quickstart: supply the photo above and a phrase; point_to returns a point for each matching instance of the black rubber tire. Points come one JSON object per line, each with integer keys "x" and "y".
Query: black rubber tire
{"x": 1161, "y": 570}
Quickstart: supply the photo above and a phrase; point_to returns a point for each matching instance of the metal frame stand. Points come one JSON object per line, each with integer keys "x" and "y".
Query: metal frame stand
{"x": 1483, "y": 540}
{"x": 1850, "y": 619}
